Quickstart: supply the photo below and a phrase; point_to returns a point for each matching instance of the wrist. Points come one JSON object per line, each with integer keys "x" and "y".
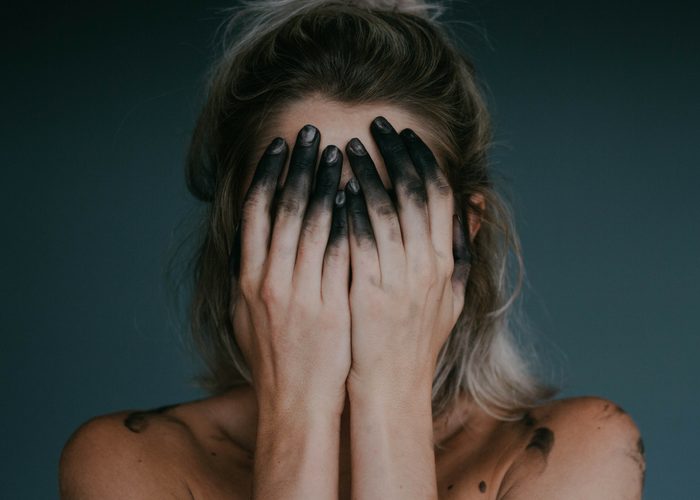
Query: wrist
{"x": 406, "y": 394}
{"x": 408, "y": 383}
{"x": 274, "y": 406}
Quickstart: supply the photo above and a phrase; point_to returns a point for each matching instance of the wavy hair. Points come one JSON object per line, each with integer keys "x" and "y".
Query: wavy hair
{"x": 278, "y": 51}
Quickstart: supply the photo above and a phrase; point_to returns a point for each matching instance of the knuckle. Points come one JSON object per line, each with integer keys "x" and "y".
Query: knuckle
{"x": 247, "y": 287}
{"x": 415, "y": 190}
{"x": 289, "y": 206}
{"x": 443, "y": 188}
{"x": 250, "y": 209}
{"x": 426, "y": 272}
{"x": 269, "y": 293}
{"x": 386, "y": 210}
{"x": 448, "y": 264}
{"x": 310, "y": 233}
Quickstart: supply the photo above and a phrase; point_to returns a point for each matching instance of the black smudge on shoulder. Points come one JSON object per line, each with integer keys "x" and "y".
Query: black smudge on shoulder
{"x": 616, "y": 410}
{"x": 637, "y": 454}
{"x": 543, "y": 440}
{"x": 482, "y": 486}
{"x": 527, "y": 420}
{"x": 137, "y": 421}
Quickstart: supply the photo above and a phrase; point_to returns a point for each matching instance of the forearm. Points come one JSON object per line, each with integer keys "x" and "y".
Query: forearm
{"x": 296, "y": 454}
{"x": 392, "y": 444}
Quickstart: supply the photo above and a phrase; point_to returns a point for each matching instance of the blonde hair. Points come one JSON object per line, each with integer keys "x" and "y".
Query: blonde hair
{"x": 397, "y": 52}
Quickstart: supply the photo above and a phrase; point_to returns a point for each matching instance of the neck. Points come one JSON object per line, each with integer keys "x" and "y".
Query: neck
{"x": 243, "y": 422}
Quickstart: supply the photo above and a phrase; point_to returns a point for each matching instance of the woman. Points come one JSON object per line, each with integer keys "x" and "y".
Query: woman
{"x": 351, "y": 297}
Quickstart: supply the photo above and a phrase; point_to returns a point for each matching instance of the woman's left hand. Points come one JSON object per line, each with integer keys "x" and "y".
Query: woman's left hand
{"x": 409, "y": 261}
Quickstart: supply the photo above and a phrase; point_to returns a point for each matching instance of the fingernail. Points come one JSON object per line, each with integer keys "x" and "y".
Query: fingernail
{"x": 408, "y": 133}
{"x": 382, "y": 124}
{"x": 330, "y": 155}
{"x": 308, "y": 134}
{"x": 354, "y": 186}
{"x": 340, "y": 198}
{"x": 276, "y": 146}
{"x": 356, "y": 147}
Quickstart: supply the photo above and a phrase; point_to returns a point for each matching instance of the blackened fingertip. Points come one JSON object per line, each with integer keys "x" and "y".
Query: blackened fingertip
{"x": 408, "y": 133}
{"x": 356, "y": 147}
{"x": 340, "y": 198}
{"x": 353, "y": 186}
{"x": 383, "y": 125}
{"x": 331, "y": 154}
{"x": 307, "y": 135}
{"x": 276, "y": 146}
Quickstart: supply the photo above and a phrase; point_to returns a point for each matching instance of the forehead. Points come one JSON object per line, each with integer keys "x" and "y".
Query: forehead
{"x": 338, "y": 123}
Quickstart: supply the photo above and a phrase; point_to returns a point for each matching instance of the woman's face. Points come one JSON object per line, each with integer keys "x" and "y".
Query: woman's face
{"x": 337, "y": 124}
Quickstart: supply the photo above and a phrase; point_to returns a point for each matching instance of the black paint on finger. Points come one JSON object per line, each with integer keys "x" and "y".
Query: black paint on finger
{"x": 262, "y": 185}
{"x": 327, "y": 179}
{"x": 358, "y": 216}
{"x": 268, "y": 169}
{"x": 424, "y": 159}
{"x": 377, "y": 197}
{"x": 298, "y": 182}
{"x": 339, "y": 226}
{"x": 402, "y": 171}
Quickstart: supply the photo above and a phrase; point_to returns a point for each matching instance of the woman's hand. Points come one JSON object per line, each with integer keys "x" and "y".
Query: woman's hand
{"x": 291, "y": 313}
{"x": 407, "y": 288}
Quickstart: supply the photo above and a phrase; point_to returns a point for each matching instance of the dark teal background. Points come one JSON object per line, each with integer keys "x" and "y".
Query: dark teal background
{"x": 596, "y": 115}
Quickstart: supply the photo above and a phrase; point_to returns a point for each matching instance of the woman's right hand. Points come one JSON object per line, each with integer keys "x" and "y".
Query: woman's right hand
{"x": 290, "y": 308}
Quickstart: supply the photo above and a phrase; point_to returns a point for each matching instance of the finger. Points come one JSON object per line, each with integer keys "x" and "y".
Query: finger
{"x": 317, "y": 221}
{"x": 364, "y": 261}
{"x": 250, "y": 243}
{"x": 336, "y": 265}
{"x": 381, "y": 209}
{"x": 462, "y": 261}
{"x": 291, "y": 205}
{"x": 410, "y": 189}
{"x": 440, "y": 197}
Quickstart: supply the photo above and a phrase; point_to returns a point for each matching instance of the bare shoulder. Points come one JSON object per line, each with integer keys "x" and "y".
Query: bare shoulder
{"x": 110, "y": 456}
{"x": 167, "y": 452}
{"x": 581, "y": 447}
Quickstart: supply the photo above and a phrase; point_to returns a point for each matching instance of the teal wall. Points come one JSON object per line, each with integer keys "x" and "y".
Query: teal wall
{"x": 596, "y": 115}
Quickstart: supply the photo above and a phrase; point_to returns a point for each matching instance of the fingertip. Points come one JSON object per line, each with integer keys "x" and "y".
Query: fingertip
{"x": 277, "y": 145}
{"x": 331, "y": 155}
{"x": 408, "y": 134}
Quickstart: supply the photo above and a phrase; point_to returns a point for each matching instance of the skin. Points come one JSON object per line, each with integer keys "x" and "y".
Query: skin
{"x": 354, "y": 411}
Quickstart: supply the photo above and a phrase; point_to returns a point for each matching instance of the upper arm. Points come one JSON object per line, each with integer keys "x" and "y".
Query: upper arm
{"x": 590, "y": 449}
{"x": 102, "y": 459}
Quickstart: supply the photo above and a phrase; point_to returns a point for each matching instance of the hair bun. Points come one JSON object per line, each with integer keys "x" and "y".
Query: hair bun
{"x": 286, "y": 8}
{"x": 420, "y": 7}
